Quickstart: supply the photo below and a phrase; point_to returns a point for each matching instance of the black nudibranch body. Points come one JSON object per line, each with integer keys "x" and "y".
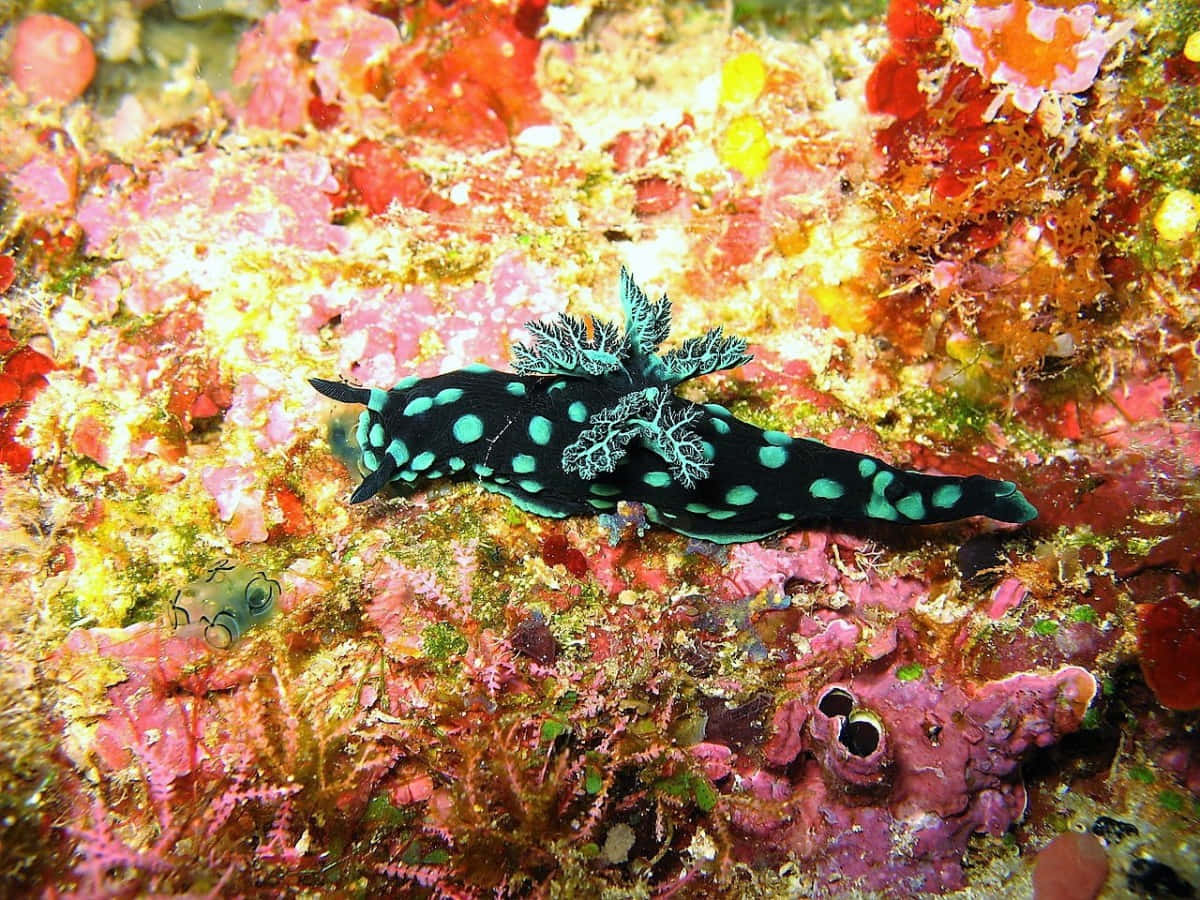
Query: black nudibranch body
{"x": 591, "y": 418}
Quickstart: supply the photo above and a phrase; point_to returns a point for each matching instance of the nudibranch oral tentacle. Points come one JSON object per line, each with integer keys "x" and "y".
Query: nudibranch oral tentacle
{"x": 590, "y": 418}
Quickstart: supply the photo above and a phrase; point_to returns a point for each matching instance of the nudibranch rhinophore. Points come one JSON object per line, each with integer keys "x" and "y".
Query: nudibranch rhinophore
{"x": 590, "y": 417}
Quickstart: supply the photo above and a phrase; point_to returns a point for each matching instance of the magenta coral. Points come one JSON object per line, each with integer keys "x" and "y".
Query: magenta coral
{"x": 954, "y": 770}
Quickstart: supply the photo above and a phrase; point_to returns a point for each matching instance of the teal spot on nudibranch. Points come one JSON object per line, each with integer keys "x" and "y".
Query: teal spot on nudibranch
{"x": 602, "y": 504}
{"x": 881, "y": 482}
{"x": 558, "y": 385}
{"x": 657, "y": 479}
{"x": 700, "y": 509}
{"x": 398, "y": 451}
{"x": 742, "y": 495}
{"x": 423, "y": 461}
{"x": 866, "y": 467}
{"x": 483, "y": 471}
{"x": 720, "y": 426}
{"x": 364, "y": 423}
{"x": 456, "y": 463}
{"x": 777, "y": 438}
{"x": 785, "y": 516}
{"x": 604, "y": 490}
{"x": 577, "y": 412}
{"x": 418, "y": 406}
{"x": 912, "y": 506}
{"x": 408, "y": 475}
{"x": 720, "y": 514}
{"x": 406, "y": 382}
{"x": 478, "y": 368}
{"x": 468, "y": 428}
{"x": 717, "y": 410}
{"x": 878, "y": 508}
{"x": 377, "y": 435}
{"x": 709, "y": 451}
{"x": 523, "y": 464}
{"x": 826, "y": 489}
{"x": 370, "y": 460}
{"x": 530, "y": 485}
{"x": 516, "y": 388}
{"x": 377, "y": 399}
{"x": 448, "y": 395}
{"x": 772, "y": 457}
{"x": 540, "y": 430}
{"x": 946, "y": 496}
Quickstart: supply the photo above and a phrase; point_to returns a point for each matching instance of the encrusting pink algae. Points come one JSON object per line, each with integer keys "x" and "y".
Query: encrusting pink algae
{"x": 960, "y": 237}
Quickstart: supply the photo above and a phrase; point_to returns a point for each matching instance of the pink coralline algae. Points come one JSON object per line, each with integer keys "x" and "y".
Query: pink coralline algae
{"x": 463, "y": 72}
{"x": 47, "y": 183}
{"x": 347, "y": 46}
{"x": 1033, "y": 50}
{"x": 384, "y": 329}
{"x": 888, "y": 779}
{"x": 258, "y": 405}
{"x": 239, "y": 499}
{"x": 273, "y": 205}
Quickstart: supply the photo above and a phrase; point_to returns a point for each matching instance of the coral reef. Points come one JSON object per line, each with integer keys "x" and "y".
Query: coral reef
{"x": 959, "y": 236}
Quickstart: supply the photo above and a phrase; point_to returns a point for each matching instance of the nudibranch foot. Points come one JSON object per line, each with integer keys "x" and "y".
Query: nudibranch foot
{"x": 591, "y": 418}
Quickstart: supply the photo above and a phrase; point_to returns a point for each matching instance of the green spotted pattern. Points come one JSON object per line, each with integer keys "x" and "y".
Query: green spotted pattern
{"x": 946, "y": 496}
{"x": 911, "y": 506}
{"x": 468, "y": 429}
{"x": 418, "y": 406}
{"x": 540, "y": 430}
{"x": 772, "y": 457}
{"x": 826, "y": 489}
{"x": 742, "y": 495}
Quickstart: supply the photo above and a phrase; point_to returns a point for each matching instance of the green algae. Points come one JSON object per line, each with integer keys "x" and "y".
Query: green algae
{"x": 441, "y": 641}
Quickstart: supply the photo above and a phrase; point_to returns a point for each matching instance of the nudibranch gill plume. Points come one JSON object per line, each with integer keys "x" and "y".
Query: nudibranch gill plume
{"x": 590, "y": 418}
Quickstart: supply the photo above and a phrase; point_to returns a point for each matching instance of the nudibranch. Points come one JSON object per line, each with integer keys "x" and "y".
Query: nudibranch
{"x": 590, "y": 418}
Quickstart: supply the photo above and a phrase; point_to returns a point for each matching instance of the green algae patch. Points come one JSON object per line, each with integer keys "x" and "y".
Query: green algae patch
{"x": 441, "y": 641}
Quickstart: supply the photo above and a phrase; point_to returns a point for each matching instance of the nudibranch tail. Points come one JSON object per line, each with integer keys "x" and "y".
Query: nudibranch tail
{"x": 590, "y": 418}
